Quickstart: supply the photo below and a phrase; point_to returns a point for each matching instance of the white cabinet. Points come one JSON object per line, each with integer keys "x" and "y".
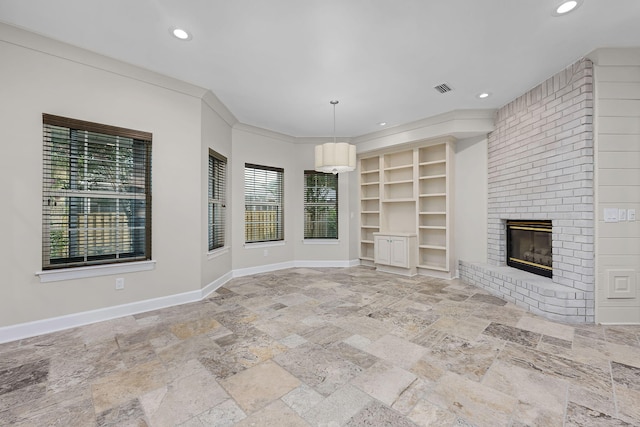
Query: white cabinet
{"x": 395, "y": 253}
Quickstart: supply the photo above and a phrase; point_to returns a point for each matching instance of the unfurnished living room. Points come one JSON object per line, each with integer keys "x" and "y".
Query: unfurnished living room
{"x": 320, "y": 213}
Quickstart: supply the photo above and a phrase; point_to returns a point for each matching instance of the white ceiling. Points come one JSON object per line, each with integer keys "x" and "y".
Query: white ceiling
{"x": 276, "y": 64}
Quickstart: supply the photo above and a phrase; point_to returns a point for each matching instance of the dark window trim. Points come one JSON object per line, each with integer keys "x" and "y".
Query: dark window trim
{"x": 141, "y": 137}
{"x": 222, "y": 159}
{"x": 313, "y": 172}
{"x": 282, "y": 216}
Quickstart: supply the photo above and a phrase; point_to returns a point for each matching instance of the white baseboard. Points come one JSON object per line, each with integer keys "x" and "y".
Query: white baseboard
{"x": 55, "y": 324}
{"x": 213, "y": 286}
{"x": 334, "y": 264}
{"x": 241, "y": 272}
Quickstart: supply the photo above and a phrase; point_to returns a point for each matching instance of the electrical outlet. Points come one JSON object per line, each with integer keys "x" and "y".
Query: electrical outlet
{"x": 631, "y": 214}
{"x": 265, "y": 252}
{"x": 120, "y": 283}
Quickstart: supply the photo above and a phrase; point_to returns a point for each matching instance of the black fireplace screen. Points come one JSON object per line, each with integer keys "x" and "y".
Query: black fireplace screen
{"x": 529, "y": 246}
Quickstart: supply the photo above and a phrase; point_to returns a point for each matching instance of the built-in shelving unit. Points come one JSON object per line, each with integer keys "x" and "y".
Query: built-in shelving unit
{"x": 369, "y": 206}
{"x": 433, "y": 204}
{"x": 409, "y": 191}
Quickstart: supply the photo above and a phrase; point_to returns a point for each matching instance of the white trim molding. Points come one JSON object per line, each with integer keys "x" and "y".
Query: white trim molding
{"x": 218, "y": 252}
{"x": 54, "y": 324}
{"x": 321, "y": 241}
{"x": 94, "y": 271}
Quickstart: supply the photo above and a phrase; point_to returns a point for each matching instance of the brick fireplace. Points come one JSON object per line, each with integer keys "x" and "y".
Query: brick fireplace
{"x": 540, "y": 160}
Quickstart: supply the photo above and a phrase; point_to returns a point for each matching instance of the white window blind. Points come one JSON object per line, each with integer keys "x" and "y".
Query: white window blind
{"x": 264, "y": 201}
{"x": 96, "y": 194}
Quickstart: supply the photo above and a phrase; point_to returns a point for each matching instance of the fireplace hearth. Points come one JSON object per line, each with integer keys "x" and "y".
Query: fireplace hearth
{"x": 529, "y": 246}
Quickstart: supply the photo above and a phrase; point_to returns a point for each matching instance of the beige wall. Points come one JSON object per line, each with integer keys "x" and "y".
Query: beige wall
{"x": 470, "y": 200}
{"x": 42, "y": 76}
{"x": 257, "y": 146}
{"x": 216, "y": 135}
{"x": 617, "y": 128}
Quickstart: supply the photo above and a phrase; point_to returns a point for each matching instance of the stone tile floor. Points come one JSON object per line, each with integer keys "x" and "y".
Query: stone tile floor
{"x": 327, "y": 347}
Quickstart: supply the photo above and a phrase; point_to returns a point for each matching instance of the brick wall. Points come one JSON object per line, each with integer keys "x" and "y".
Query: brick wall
{"x": 540, "y": 166}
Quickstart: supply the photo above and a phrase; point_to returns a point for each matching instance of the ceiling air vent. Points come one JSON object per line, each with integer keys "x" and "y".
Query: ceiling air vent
{"x": 442, "y": 88}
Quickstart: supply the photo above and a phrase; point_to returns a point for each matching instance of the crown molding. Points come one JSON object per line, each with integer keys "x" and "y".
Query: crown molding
{"x": 321, "y": 139}
{"x": 47, "y": 46}
{"x": 615, "y": 56}
{"x": 264, "y": 132}
{"x": 213, "y": 102}
{"x": 459, "y": 124}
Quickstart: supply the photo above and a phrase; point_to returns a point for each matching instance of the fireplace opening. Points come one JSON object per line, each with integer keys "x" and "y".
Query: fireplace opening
{"x": 529, "y": 246}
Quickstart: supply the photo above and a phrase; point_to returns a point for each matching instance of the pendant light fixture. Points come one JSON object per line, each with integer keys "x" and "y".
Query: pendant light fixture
{"x": 335, "y": 157}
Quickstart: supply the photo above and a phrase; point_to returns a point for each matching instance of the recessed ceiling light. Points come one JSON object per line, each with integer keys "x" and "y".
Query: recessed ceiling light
{"x": 179, "y": 33}
{"x": 382, "y": 123}
{"x": 483, "y": 95}
{"x": 567, "y": 6}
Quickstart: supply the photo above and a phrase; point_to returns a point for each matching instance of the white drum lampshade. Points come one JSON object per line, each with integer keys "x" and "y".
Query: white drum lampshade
{"x": 335, "y": 157}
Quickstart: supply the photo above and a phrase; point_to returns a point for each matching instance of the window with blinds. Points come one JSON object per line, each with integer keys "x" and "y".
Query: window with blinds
{"x": 96, "y": 194}
{"x": 263, "y": 203}
{"x": 320, "y": 205}
{"x": 217, "y": 197}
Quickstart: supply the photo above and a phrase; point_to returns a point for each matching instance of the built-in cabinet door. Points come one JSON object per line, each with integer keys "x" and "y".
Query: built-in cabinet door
{"x": 383, "y": 250}
{"x": 398, "y": 256}
{"x": 392, "y": 250}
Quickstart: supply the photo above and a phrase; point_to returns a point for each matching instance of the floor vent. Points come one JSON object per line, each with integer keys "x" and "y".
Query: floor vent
{"x": 443, "y": 88}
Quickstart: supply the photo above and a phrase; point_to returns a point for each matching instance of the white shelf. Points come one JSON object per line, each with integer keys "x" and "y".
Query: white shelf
{"x": 433, "y": 213}
{"x": 370, "y": 212}
{"x": 369, "y": 198}
{"x": 433, "y": 195}
{"x": 367, "y": 241}
{"x": 395, "y": 168}
{"x": 370, "y": 226}
{"x": 433, "y": 176}
{"x": 404, "y": 181}
{"x": 432, "y": 227}
{"x": 439, "y": 248}
{"x": 437, "y": 267}
{"x": 434, "y": 162}
{"x": 404, "y": 200}
{"x": 370, "y": 183}
{"x": 369, "y": 171}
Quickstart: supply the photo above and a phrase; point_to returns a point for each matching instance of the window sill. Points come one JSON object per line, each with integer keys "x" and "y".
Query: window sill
{"x": 264, "y": 244}
{"x": 321, "y": 242}
{"x": 218, "y": 252}
{"x": 94, "y": 271}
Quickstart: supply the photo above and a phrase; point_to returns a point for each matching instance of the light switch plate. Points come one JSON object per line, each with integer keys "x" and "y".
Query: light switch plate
{"x": 631, "y": 214}
{"x": 611, "y": 215}
{"x": 622, "y": 214}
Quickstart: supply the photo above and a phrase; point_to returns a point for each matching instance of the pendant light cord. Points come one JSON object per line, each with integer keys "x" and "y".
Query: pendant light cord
{"x": 334, "y": 119}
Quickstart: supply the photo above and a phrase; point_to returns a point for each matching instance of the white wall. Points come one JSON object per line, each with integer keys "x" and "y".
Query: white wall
{"x": 42, "y": 76}
{"x": 470, "y": 200}
{"x": 617, "y": 143}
